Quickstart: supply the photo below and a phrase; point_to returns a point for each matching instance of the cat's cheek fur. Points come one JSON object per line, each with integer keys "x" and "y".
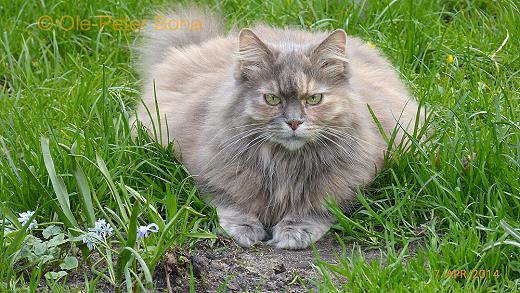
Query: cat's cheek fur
{"x": 257, "y": 109}
{"x": 331, "y": 107}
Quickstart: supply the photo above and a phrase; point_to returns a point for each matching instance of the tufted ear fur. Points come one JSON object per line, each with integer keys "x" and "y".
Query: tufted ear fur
{"x": 253, "y": 54}
{"x": 330, "y": 55}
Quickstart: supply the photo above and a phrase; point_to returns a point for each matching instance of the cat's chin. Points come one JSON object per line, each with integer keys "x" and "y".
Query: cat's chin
{"x": 292, "y": 144}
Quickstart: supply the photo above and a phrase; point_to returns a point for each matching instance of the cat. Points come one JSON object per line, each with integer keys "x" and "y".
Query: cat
{"x": 272, "y": 121}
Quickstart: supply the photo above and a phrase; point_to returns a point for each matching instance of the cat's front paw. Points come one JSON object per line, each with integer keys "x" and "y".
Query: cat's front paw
{"x": 297, "y": 234}
{"x": 290, "y": 238}
{"x": 244, "y": 229}
{"x": 245, "y": 234}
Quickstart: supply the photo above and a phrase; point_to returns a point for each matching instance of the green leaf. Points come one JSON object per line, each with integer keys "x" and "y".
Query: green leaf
{"x": 378, "y": 124}
{"x": 57, "y": 240}
{"x": 55, "y": 275}
{"x": 9, "y": 215}
{"x": 510, "y": 230}
{"x": 125, "y": 255}
{"x": 104, "y": 170}
{"x": 51, "y": 231}
{"x": 144, "y": 266}
{"x": 69, "y": 263}
{"x": 58, "y": 185}
{"x": 39, "y": 248}
{"x": 83, "y": 190}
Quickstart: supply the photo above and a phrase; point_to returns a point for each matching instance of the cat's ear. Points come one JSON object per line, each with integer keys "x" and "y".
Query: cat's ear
{"x": 253, "y": 54}
{"x": 330, "y": 54}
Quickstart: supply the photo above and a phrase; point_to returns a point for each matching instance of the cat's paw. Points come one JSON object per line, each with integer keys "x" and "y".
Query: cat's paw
{"x": 297, "y": 235}
{"x": 244, "y": 229}
{"x": 245, "y": 234}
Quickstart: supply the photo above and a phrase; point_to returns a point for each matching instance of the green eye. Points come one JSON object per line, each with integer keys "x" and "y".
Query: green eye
{"x": 272, "y": 100}
{"x": 314, "y": 99}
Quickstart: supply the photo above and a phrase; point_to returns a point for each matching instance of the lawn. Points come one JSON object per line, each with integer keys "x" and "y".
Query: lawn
{"x": 67, "y": 152}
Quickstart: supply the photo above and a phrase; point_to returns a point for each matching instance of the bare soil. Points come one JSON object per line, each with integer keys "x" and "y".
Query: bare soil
{"x": 226, "y": 267}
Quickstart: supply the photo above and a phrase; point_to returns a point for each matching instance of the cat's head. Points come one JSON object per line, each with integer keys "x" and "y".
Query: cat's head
{"x": 293, "y": 91}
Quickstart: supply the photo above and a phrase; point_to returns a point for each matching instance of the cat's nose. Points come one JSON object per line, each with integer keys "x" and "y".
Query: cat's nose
{"x": 294, "y": 123}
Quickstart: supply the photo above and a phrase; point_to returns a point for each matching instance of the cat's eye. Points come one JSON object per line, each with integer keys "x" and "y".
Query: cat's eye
{"x": 314, "y": 99}
{"x": 272, "y": 100}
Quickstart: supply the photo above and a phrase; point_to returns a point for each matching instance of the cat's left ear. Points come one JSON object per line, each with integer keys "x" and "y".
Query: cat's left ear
{"x": 330, "y": 55}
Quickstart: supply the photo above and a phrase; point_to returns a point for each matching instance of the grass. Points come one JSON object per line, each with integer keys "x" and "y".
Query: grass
{"x": 66, "y": 151}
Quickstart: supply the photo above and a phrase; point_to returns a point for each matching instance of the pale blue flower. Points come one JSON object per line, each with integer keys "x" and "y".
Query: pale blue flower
{"x": 24, "y": 217}
{"x": 95, "y": 235}
{"x": 91, "y": 239}
{"x": 102, "y": 228}
{"x": 144, "y": 231}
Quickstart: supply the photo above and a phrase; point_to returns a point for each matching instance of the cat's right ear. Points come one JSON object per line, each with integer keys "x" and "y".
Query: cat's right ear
{"x": 253, "y": 54}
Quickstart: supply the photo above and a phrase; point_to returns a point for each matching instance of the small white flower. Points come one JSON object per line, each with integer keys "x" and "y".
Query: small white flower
{"x": 144, "y": 231}
{"x": 102, "y": 228}
{"x": 24, "y": 217}
{"x": 91, "y": 239}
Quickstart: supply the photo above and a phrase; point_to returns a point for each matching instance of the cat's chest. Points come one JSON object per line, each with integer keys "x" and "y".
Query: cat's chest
{"x": 285, "y": 171}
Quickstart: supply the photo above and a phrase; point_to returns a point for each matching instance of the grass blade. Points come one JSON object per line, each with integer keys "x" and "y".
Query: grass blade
{"x": 104, "y": 170}
{"x": 59, "y": 186}
{"x": 510, "y": 230}
{"x": 85, "y": 195}
{"x": 125, "y": 255}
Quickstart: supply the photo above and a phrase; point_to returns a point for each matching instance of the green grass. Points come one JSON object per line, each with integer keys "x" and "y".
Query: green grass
{"x": 66, "y": 151}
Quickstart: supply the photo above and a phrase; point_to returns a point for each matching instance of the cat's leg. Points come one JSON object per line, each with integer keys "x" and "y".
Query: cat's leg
{"x": 244, "y": 228}
{"x": 299, "y": 232}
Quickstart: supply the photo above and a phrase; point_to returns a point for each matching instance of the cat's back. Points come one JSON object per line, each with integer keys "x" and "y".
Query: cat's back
{"x": 378, "y": 84}
{"x": 183, "y": 84}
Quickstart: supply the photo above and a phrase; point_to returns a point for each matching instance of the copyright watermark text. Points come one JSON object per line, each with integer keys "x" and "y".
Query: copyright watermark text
{"x": 76, "y": 23}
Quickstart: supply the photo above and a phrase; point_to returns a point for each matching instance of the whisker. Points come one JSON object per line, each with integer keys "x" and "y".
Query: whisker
{"x": 245, "y": 148}
{"x": 339, "y": 135}
{"x": 233, "y": 128}
{"x": 230, "y": 139}
{"x": 258, "y": 144}
{"x": 231, "y": 144}
{"x": 349, "y": 154}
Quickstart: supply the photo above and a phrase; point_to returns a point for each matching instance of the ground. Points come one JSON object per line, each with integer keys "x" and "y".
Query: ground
{"x": 223, "y": 266}
{"x": 266, "y": 269}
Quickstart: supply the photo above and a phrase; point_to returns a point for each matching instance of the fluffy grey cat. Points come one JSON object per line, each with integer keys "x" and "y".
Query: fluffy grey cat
{"x": 272, "y": 121}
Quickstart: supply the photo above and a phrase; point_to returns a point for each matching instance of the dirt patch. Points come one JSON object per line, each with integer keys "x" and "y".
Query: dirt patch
{"x": 227, "y": 267}
{"x": 264, "y": 268}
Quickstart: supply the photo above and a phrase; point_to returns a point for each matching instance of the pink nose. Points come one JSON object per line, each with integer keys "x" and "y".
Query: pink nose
{"x": 294, "y": 123}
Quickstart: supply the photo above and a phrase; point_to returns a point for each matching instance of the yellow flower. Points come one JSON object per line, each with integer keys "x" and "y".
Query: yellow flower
{"x": 450, "y": 59}
{"x": 370, "y": 45}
